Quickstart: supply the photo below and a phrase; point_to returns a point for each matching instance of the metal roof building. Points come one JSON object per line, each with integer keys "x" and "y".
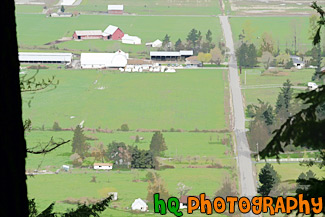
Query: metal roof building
{"x": 103, "y": 60}
{"x": 29, "y": 57}
{"x": 170, "y": 55}
{"x": 115, "y": 9}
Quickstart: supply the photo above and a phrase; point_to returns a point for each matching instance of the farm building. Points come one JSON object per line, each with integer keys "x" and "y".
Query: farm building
{"x": 183, "y": 202}
{"x": 170, "y": 55}
{"x": 193, "y": 62}
{"x": 156, "y": 43}
{"x": 139, "y": 204}
{"x": 115, "y": 9}
{"x": 61, "y": 14}
{"x": 63, "y": 58}
{"x": 103, "y": 166}
{"x": 103, "y": 60}
{"x": 67, "y": 2}
{"x": 128, "y": 39}
{"x": 113, "y": 33}
{"x": 87, "y": 34}
{"x": 297, "y": 62}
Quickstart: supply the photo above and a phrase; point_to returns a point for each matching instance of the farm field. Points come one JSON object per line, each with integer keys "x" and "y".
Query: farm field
{"x": 155, "y": 7}
{"x": 29, "y": 26}
{"x": 200, "y": 145}
{"x": 291, "y": 171}
{"x": 187, "y": 100}
{"x": 281, "y": 29}
{"x": 253, "y": 77}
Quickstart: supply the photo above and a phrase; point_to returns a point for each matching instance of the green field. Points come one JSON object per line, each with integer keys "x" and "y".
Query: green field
{"x": 57, "y": 187}
{"x": 37, "y": 30}
{"x": 28, "y": 9}
{"x": 153, "y": 7}
{"x": 281, "y": 29}
{"x": 201, "y": 145}
{"x": 187, "y": 100}
{"x": 291, "y": 171}
{"x": 253, "y": 77}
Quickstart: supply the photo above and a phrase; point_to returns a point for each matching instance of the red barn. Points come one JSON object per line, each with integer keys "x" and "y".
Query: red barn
{"x": 115, "y": 9}
{"x": 89, "y": 34}
{"x": 113, "y": 33}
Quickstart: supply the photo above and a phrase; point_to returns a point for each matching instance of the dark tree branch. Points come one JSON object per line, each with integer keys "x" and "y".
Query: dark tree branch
{"x": 51, "y": 145}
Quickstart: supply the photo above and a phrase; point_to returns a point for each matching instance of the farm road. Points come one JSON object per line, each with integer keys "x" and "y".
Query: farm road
{"x": 246, "y": 176}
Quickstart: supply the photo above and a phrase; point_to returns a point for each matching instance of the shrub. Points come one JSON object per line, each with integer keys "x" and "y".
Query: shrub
{"x": 56, "y": 127}
{"x": 124, "y": 127}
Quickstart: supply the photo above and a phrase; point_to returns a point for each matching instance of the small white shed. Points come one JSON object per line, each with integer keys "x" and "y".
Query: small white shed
{"x": 114, "y": 195}
{"x": 128, "y": 39}
{"x": 103, "y": 166}
{"x": 140, "y": 205}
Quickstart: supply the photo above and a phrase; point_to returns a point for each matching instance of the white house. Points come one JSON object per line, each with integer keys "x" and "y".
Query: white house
{"x": 67, "y": 2}
{"x": 103, "y": 166}
{"x": 297, "y": 62}
{"x": 139, "y": 204}
{"x": 103, "y": 60}
{"x": 156, "y": 43}
{"x": 128, "y": 39}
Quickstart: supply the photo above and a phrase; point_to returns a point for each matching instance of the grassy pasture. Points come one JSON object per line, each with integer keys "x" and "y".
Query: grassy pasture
{"x": 253, "y": 77}
{"x": 179, "y": 144}
{"x": 37, "y": 30}
{"x": 187, "y": 100}
{"x": 28, "y": 9}
{"x": 291, "y": 171}
{"x": 281, "y": 29}
{"x": 154, "y": 7}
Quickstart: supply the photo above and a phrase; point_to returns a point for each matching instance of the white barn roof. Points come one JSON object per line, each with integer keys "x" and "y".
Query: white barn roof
{"x": 102, "y": 60}
{"x": 67, "y": 2}
{"x": 115, "y": 7}
{"x": 186, "y": 52}
{"x": 172, "y": 53}
{"x": 165, "y": 53}
{"x": 88, "y": 32}
{"x": 110, "y": 30}
{"x": 128, "y": 39}
{"x": 43, "y": 57}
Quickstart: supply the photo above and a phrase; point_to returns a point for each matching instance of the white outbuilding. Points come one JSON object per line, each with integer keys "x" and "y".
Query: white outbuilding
{"x": 103, "y": 60}
{"x": 67, "y": 2}
{"x": 103, "y": 166}
{"x": 33, "y": 57}
{"x": 128, "y": 39}
{"x": 140, "y": 205}
{"x": 156, "y": 43}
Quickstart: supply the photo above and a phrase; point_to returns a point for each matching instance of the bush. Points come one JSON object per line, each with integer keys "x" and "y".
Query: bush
{"x": 125, "y": 127}
{"x": 56, "y": 127}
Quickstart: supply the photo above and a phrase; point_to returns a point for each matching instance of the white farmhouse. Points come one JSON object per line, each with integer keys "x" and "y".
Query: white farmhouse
{"x": 103, "y": 166}
{"x": 140, "y": 205}
{"x": 128, "y": 39}
{"x": 103, "y": 60}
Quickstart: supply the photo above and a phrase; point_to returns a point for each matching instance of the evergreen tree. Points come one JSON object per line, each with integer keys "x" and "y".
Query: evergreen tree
{"x": 208, "y": 36}
{"x": 166, "y": 42}
{"x": 283, "y": 103}
{"x": 241, "y": 54}
{"x": 179, "y": 45}
{"x": 62, "y": 9}
{"x": 142, "y": 159}
{"x": 316, "y": 60}
{"x": 251, "y": 56}
{"x": 192, "y": 37}
{"x": 79, "y": 144}
{"x": 157, "y": 144}
{"x": 266, "y": 179}
{"x": 56, "y": 127}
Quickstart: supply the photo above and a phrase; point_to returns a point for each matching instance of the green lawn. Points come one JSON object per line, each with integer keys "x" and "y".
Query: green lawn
{"x": 153, "y": 7}
{"x": 28, "y": 9}
{"x": 281, "y": 29}
{"x": 187, "y": 100}
{"x": 253, "y": 77}
{"x": 291, "y": 171}
{"x": 36, "y": 30}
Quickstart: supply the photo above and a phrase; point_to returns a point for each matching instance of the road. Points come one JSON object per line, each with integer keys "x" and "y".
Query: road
{"x": 245, "y": 165}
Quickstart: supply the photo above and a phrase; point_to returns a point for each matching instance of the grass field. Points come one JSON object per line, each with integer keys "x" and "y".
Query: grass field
{"x": 184, "y": 144}
{"x": 253, "y": 77}
{"x": 187, "y": 100}
{"x": 291, "y": 171}
{"x": 28, "y": 9}
{"x": 281, "y": 29}
{"x": 154, "y": 7}
{"x": 37, "y": 30}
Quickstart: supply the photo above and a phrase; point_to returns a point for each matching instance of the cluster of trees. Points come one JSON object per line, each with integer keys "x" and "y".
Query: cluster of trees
{"x": 267, "y": 118}
{"x": 118, "y": 152}
{"x": 194, "y": 41}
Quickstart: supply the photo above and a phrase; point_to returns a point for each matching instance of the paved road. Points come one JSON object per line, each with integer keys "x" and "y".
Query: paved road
{"x": 247, "y": 181}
